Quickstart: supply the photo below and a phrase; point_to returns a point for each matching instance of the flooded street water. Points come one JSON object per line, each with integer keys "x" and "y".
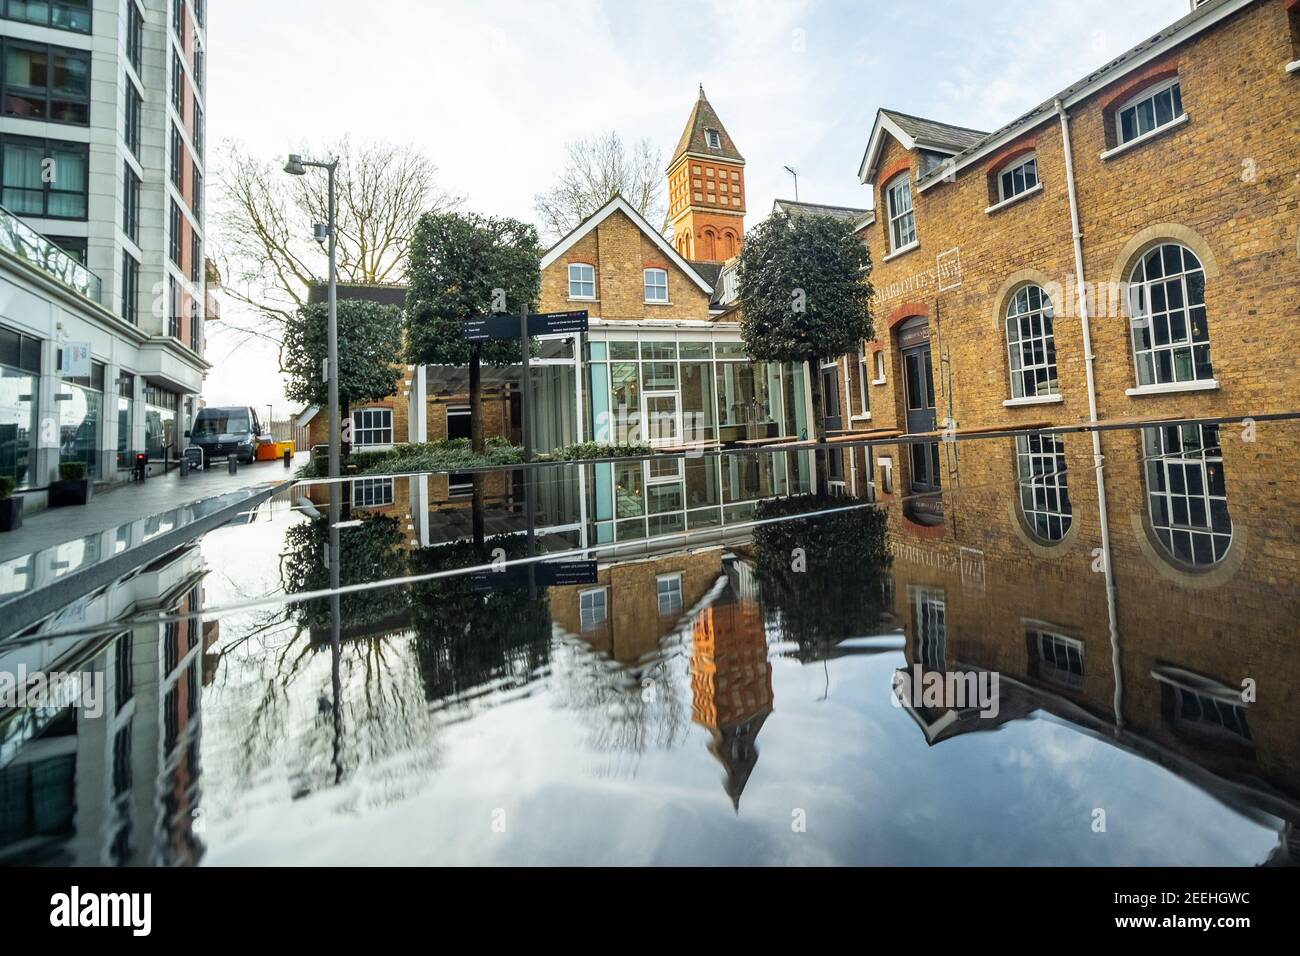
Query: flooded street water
{"x": 740, "y": 678}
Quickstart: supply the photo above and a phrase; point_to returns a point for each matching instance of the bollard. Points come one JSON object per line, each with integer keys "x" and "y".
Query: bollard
{"x": 185, "y": 467}
{"x": 288, "y": 458}
{"x": 232, "y": 464}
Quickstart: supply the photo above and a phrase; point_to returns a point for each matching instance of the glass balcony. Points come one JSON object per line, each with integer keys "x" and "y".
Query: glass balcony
{"x": 21, "y": 240}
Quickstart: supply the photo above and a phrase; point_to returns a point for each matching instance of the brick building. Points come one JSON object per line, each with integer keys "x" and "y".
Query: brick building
{"x": 988, "y": 315}
{"x": 1149, "y": 547}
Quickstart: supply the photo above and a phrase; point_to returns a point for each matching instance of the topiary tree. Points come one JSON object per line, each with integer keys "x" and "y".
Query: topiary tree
{"x": 805, "y": 295}
{"x": 370, "y": 337}
{"x": 463, "y": 266}
{"x": 822, "y": 576}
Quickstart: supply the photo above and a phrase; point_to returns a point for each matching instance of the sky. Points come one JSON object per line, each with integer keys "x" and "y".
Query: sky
{"x": 492, "y": 90}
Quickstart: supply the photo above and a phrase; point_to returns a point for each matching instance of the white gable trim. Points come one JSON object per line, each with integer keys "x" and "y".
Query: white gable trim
{"x": 619, "y": 204}
{"x": 1085, "y": 89}
{"x": 884, "y": 124}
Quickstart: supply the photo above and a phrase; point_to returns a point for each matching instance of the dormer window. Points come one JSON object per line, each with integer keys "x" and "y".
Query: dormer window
{"x": 902, "y": 221}
{"x": 713, "y": 139}
{"x": 582, "y": 281}
{"x": 1151, "y": 109}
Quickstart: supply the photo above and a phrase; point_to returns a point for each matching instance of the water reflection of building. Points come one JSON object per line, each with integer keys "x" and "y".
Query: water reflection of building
{"x": 1194, "y": 670}
{"x": 120, "y": 788}
{"x": 634, "y": 604}
{"x": 731, "y": 680}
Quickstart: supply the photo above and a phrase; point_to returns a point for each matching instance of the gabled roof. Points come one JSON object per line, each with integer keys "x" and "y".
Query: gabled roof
{"x": 1202, "y": 17}
{"x": 693, "y": 139}
{"x": 914, "y": 132}
{"x": 619, "y": 204}
{"x": 793, "y": 207}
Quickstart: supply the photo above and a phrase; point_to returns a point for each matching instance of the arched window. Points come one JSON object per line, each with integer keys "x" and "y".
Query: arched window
{"x": 1044, "y": 496}
{"x": 1018, "y": 176}
{"x": 729, "y": 243}
{"x": 710, "y": 245}
{"x": 1171, "y": 338}
{"x": 582, "y": 280}
{"x": 1031, "y": 347}
{"x": 1186, "y": 497}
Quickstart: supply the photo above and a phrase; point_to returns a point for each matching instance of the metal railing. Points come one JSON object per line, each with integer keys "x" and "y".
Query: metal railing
{"x": 21, "y": 240}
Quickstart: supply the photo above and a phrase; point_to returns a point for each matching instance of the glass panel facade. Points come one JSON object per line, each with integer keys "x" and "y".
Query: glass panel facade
{"x": 80, "y": 408}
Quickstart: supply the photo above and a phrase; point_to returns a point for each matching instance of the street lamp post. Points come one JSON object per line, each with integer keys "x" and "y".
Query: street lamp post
{"x": 297, "y": 166}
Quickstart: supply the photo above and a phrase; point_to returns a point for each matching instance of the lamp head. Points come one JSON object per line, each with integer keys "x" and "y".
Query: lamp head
{"x": 295, "y": 167}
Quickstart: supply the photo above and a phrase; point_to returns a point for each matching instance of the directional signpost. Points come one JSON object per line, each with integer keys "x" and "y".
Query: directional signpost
{"x": 546, "y": 574}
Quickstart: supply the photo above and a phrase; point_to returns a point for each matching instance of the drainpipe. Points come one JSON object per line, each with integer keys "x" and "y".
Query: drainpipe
{"x": 1098, "y": 459}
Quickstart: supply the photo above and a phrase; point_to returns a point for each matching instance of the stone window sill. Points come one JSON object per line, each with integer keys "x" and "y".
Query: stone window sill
{"x": 1032, "y": 400}
{"x": 901, "y": 252}
{"x": 1173, "y": 388}
{"x": 998, "y": 207}
{"x": 1293, "y": 67}
{"x": 1145, "y": 137}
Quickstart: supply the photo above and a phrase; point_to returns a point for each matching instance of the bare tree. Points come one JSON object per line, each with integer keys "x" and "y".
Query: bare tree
{"x": 598, "y": 168}
{"x": 264, "y": 225}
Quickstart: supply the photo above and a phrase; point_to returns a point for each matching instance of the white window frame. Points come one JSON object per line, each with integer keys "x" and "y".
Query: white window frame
{"x": 1021, "y": 309}
{"x": 863, "y": 398}
{"x": 1160, "y": 486}
{"x": 648, "y": 286}
{"x": 880, "y": 367}
{"x": 1140, "y": 315}
{"x": 902, "y": 223}
{"x": 372, "y": 492}
{"x": 1019, "y": 164}
{"x": 1148, "y": 93}
{"x": 1043, "y": 489}
{"x": 1062, "y": 644}
{"x": 675, "y": 587}
{"x": 587, "y": 619}
{"x": 358, "y": 430}
{"x": 580, "y": 282}
{"x": 713, "y": 138}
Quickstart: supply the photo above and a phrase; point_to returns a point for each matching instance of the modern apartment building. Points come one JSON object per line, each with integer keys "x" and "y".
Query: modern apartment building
{"x": 102, "y": 228}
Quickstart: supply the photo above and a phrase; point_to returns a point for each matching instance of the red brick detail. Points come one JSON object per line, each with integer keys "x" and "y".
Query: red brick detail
{"x": 655, "y": 264}
{"x": 875, "y": 346}
{"x": 1162, "y": 69}
{"x": 901, "y": 165}
{"x": 1019, "y": 148}
{"x": 1291, "y": 4}
{"x": 908, "y": 310}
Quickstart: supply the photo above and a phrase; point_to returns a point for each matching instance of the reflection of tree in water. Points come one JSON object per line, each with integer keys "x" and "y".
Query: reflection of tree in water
{"x": 625, "y": 709}
{"x": 275, "y": 676}
{"x": 467, "y": 639}
{"x": 370, "y": 551}
{"x": 839, "y": 593}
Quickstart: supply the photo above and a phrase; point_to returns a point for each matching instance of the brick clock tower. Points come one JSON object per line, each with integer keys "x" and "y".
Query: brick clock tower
{"x": 706, "y": 189}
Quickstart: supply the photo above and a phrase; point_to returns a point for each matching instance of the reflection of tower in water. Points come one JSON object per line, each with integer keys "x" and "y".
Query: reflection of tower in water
{"x": 731, "y": 685}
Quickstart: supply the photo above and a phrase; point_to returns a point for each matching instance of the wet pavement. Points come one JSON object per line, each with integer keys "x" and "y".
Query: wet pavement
{"x": 695, "y": 664}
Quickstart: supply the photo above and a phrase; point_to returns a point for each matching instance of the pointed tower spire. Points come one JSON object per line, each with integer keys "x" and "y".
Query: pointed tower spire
{"x": 706, "y": 188}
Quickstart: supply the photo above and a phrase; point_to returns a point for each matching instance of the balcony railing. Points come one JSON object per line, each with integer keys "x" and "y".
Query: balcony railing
{"x": 21, "y": 240}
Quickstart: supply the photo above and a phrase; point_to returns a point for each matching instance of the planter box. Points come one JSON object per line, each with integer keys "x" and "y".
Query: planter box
{"x": 11, "y": 514}
{"x": 65, "y": 493}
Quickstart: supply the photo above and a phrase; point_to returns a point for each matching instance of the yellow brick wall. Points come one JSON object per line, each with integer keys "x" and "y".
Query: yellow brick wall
{"x": 621, "y": 252}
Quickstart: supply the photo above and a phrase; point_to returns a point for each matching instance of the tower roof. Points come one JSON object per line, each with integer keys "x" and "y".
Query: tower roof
{"x": 695, "y": 140}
